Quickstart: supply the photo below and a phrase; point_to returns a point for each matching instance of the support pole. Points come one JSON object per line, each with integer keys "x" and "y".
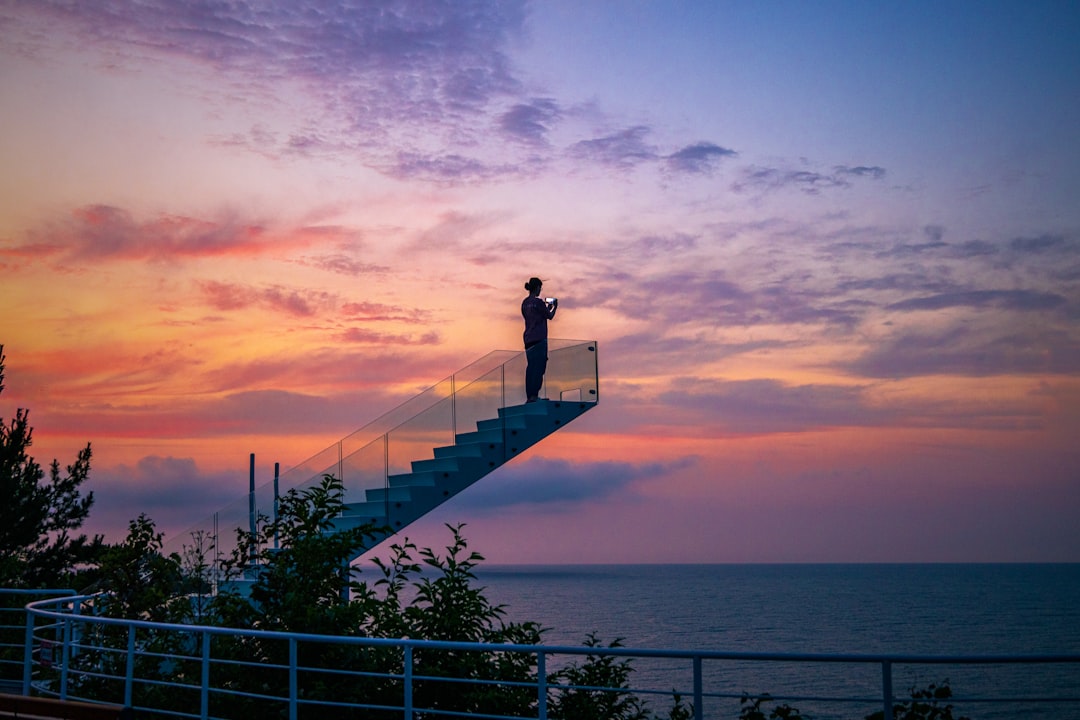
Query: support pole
{"x": 277, "y": 475}
{"x": 251, "y": 504}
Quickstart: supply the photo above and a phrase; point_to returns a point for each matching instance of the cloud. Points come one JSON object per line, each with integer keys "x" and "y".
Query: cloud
{"x": 447, "y": 168}
{"x": 455, "y": 46}
{"x": 343, "y": 369}
{"x": 373, "y": 337}
{"x": 861, "y": 171}
{"x": 675, "y": 298}
{"x": 376, "y": 78}
{"x": 974, "y": 249}
{"x": 766, "y": 179}
{"x": 900, "y": 281}
{"x": 105, "y": 232}
{"x": 235, "y": 296}
{"x": 622, "y": 150}
{"x": 415, "y": 89}
{"x": 1039, "y": 245}
{"x": 963, "y": 351}
{"x": 765, "y": 405}
{"x": 699, "y": 158}
{"x": 554, "y": 484}
{"x": 172, "y": 491}
{"x": 1018, "y": 300}
{"x": 530, "y": 122}
{"x": 380, "y": 312}
{"x": 344, "y": 264}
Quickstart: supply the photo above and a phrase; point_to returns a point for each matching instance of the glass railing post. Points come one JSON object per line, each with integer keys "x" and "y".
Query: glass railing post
{"x": 386, "y": 477}
{"x": 596, "y": 370}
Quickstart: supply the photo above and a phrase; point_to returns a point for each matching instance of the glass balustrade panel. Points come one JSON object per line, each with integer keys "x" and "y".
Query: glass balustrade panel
{"x": 571, "y": 372}
{"x": 415, "y": 438}
{"x": 365, "y": 468}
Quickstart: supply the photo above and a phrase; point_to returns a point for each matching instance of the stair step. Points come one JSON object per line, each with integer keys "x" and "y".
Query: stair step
{"x": 460, "y": 450}
{"x": 356, "y": 514}
{"x": 400, "y": 494}
{"x": 424, "y": 479}
{"x": 540, "y": 407}
{"x": 480, "y": 436}
{"x": 512, "y": 422}
{"x": 444, "y": 464}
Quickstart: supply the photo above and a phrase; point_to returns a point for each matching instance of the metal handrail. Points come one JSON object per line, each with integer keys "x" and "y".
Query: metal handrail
{"x": 66, "y": 613}
{"x": 9, "y": 650}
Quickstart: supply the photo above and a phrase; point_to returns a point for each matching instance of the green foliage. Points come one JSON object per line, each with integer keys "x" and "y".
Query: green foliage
{"x": 39, "y": 517}
{"x": 299, "y": 585}
{"x": 925, "y": 704}
{"x": 751, "y": 709}
{"x": 142, "y": 583}
{"x": 582, "y": 690}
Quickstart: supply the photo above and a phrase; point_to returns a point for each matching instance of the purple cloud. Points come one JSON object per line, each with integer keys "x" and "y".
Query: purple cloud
{"x": 810, "y": 182}
{"x": 699, "y": 158}
{"x": 530, "y": 122}
{"x": 960, "y": 351}
{"x": 552, "y": 484}
{"x": 622, "y": 150}
{"x": 1019, "y": 300}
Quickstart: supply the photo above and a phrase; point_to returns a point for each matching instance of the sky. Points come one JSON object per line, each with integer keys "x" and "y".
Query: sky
{"x": 829, "y": 251}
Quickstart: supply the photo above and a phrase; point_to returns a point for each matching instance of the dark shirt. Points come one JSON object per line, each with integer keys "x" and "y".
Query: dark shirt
{"x": 536, "y": 313}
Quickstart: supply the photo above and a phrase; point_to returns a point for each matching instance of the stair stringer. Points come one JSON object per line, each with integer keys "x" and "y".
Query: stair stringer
{"x": 409, "y": 496}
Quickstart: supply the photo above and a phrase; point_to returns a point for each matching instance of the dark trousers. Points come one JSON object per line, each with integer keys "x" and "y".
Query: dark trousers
{"x": 536, "y": 357}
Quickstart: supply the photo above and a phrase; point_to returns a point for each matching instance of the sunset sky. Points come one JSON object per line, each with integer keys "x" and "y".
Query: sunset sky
{"x": 830, "y": 252}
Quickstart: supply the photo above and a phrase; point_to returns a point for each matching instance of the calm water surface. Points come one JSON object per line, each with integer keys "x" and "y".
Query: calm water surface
{"x": 856, "y": 609}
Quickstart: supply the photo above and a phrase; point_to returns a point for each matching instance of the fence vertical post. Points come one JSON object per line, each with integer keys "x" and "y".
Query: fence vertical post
{"x": 699, "y": 694}
{"x": 129, "y": 670}
{"x": 204, "y": 695}
{"x": 28, "y": 654}
{"x": 541, "y": 685}
{"x": 408, "y": 679}
{"x": 277, "y": 478}
{"x": 65, "y": 655}
{"x": 293, "y": 688}
{"x": 251, "y": 504}
{"x": 886, "y": 689}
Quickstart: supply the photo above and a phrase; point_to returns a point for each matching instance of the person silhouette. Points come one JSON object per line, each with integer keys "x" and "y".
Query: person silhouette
{"x": 536, "y": 312}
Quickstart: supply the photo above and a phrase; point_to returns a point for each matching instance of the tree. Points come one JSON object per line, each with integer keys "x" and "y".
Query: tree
{"x": 40, "y": 517}
{"x": 290, "y": 575}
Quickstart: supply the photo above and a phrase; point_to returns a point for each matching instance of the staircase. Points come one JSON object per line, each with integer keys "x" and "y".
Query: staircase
{"x": 406, "y": 497}
{"x": 408, "y": 462}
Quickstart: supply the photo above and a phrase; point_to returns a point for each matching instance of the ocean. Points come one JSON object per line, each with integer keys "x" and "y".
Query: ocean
{"x": 908, "y": 609}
